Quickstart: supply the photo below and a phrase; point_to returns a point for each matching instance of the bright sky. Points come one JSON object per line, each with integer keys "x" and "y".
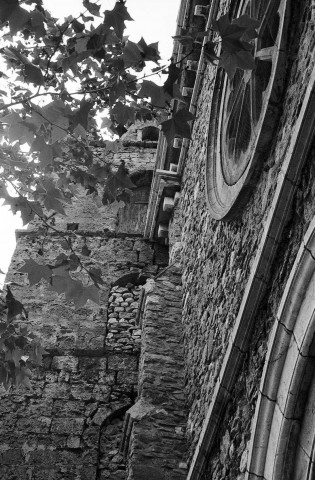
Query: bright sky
{"x": 154, "y": 20}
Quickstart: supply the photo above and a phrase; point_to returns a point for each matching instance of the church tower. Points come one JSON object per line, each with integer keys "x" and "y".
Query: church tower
{"x": 70, "y": 423}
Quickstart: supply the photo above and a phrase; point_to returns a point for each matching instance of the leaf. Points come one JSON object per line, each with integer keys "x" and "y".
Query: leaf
{"x": 6, "y": 8}
{"x": 92, "y": 7}
{"x": 87, "y": 19}
{"x": 13, "y": 353}
{"x": 3, "y": 327}
{"x": 74, "y": 262}
{"x": 17, "y": 19}
{"x": 209, "y": 52}
{"x": 37, "y": 352}
{"x": 66, "y": 244}
{"x": 96, "y": 276}
{"x": 61, "y": 266}
{"x": 177, "y": 126}
{"x": 4, "y": 377}
{"x": 20, "y": 132}
{"x": 232, "y": 33}
{"x": 37, "y": 24}
{"x": 35, "y": 271}
{"x": 74, "y": 290}
{"x": 46, "y": 152}
{"x": 81, "y": 44}
{"x": 22, "y": 377}
{"x": 77, "y": 26}
{"x": 52, "y": 201}
{"x": 173, "y": 75}
{"x": 12, "y": 118}
{"x": 116, "y": 18}
{"x": 122, "y": 175}
{"x": 14, "y": 306}
{"x": 123, "y": 114}
{"x": 149, "y": 52}
{"x": 82, "y": 115}
{"x": 85, "y": 250}
{"x": 231, "y": 61}
{"x": 52, "y": 197}
{"x": 131, "y": 54}
{"x": 33, "y": 74}
{"x": 157, "y": 94}
{"x": 56, "y": 114}
{"x": 27, "y": 208}
{"x": 54, "y": 110}
{"x": 226, "y": 30}
{"x": 89, "y": 293}
{"x": 60, "y": 131}
{"x": 21, "y": 342}
{"x": 118, "y": 185}
{"x": 101, "y": 172}
{"x": 117, "y": 90}
{"x": 250, "y": 24}
{"x": 111, "y": 146}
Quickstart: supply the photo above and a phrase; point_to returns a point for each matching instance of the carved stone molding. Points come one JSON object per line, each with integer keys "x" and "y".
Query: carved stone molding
{"x": 282, "y": 444}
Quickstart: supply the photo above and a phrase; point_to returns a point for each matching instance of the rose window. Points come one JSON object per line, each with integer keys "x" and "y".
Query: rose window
{"x": 244, "y": 112}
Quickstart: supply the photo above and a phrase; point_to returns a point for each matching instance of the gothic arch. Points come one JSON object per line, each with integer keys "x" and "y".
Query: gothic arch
{"x": 283, "y": 439}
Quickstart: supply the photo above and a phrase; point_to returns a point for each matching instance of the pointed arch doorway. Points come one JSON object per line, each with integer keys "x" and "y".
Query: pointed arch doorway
{"x": 283, "y": 440}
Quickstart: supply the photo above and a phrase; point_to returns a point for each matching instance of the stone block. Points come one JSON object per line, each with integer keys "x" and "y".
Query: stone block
{"x": 91, "y": 436}
{"x": 70, "y": 408}
{"x": 147, "y": 471}
{"x": 101, "y": 392}
{"x": 67, "y": 363}
{"x": 82, "y": 391}
{"x": 101, "y": 415}
{"x": 72, "y": 426}
{"x": 127, "y": 378}
{"x": 13, "y": 456}
{"x": 73, "y": 441}
{"x": 123, "y": 362}
{"x": 57, "y": 390}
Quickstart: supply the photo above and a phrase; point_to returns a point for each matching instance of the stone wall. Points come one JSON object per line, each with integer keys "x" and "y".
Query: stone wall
{"x": 156, "y": 424}
{"x": 216, "y": 256}
{"x": 229, "y": 458}
{"x": 69, "y": 424}
{"x": 122, "y": 332}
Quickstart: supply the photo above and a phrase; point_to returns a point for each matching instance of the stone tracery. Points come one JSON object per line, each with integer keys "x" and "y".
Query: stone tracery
{"x": 244, "y": 112}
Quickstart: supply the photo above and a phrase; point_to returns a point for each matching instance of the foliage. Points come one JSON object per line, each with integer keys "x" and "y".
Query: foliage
{"x": 63, "y": 75}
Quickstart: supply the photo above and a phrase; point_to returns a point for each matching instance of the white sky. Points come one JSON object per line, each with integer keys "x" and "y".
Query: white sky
{"x": 154, "y": 20}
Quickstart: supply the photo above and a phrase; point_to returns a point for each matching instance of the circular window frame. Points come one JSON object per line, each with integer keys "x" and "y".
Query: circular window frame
{"x": 228, "y": 192}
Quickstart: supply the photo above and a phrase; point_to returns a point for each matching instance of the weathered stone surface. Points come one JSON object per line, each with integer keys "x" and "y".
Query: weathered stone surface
{"x": 156, "y": 447}
{"x": 59, "y": 430}
{"x": 216, "y": 258}
{"x": 67, "y": 363}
